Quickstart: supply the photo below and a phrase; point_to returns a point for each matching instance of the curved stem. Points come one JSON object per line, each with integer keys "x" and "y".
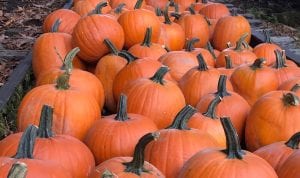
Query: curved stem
{"x": 136, "y": 166}
{"x": 147, "y": 38}
{"x": 222, "y": 91}
{"x": 26, "y": 144}
{"x": 68, "y": 61}
{"x": 138, "y": 4}
{"x": 122, "y": 109}
{"x": 211, "y": 110}
{"x": 45, "y": 126}
{"x": 192, "y": 10}
{"x": 111, "y": 47}
{"x": 166, "y": 15}
{"x": 158, "y": 77}
{"x": 267, "y": 36}
{"x": 295, "y": 88}
{"x": 211, "y": 50}
{"x": 158, "y": 12}
{"x": 190, "y": 44}
{"x": 119, "y": 8}
{"x": 18, "y": 170}
{"x": 239, "y": 43}
{"x": 233, "y": 147}
{"x": 290, "y": 99}
{"x": 128, "y": 56}
{"x": 202, "y": 64}
{"x": 228, "y": 61}
{"x": 258, "y": 63}
{"x": 175, "y": 15}
{"x": 99, "y": 7}
{"x": 294, "y": 141}
{"x": 181, "y": 119}
{"x": 55, "y": 26}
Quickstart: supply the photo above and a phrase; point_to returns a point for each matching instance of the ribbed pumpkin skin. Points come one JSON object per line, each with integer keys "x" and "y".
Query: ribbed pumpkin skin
{"x": 213, "y": 163}
{"x": 266, "y": 51}
{"x": 110, "y": 138}
{"x": 183, "y": 4}
{"x": 268, "y": 116}
{"x": 153, "y": 52}
{"x": 230, "y": 29}
{"x": 159, "y": 102}
{"x": 172, "y": 36}
{"x": 74, "y": 112}
{"x": 135, "y": 23}
{"x": 237, "y": 57}
{"x": 115, "y": 166}
{"x": 35, "y": 168}
{"x": 68, "y": 19}
{"x": 90, "y": 32}
{"x": 63, "y": 150}
{"x": 174, "y": 147}
{"x": 81, "y": 80}
{"x": 44, "y": 56}
{"x": 215, "y": 11}
{"x": 84, "y": 7}
{"x": 290, "y": 168}
{"x": 129, "y": 3}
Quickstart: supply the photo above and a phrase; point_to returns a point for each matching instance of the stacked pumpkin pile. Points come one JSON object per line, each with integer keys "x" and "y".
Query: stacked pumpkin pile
{"x": 171, "y": 105}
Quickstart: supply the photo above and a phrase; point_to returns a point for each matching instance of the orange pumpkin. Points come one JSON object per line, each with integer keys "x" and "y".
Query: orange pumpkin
{"x": 86, "y": 7}
{"x": 290, "y": 167}
{"x": 130, "y": 4}
{"x": 121, "y": 8}
{"x": 184, "y": 4}
{"x": 228, "y": 69}
{"x": 215, "y": 11}
{"x": 291, "y": 85}
{"x": 157, "y": 4}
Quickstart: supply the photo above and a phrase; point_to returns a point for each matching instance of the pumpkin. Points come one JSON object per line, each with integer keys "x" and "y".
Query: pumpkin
{"x": 82, "y": 80}
{"x": 184, "y": 4}
{"x": 177, "y": 143}
{"x": 90, "y": 32}
{"x": 253, "y": 81}
{"x": 232, "y": 105}
{"x": 290, "y": 167}
{"x": 121, "y": 129}
{"x": 215, "y": 11}
{"x": 147, "y": 48}
{"x": 195, "y": 26}
{"x": 24, "y": 155}
{"x": 211, "y": 24}
{"x": 215, "y": 53}
{"x": 199, "y": 4}
{"x": 130, "y": 166}
{"x": 135, "y": 28}
{"x": 277, "y": 153}
{"x": 130, "y": 4}
{"x": 230, "y": 29}
{"x": 67, "y": 19}
{"x": 157, "y": 4}
{"x": 74, "y": 111}
{"x": 106, "y": 70}
{"x": 155, "y": 97}
{"x": 216, "y": 162}
{"x": 277, "y": 110}
{"x": 291, "y": 85}
{"x": 199, "y": 81}
{"x": 266, "y": 50}
{"x": 86, "y": 7}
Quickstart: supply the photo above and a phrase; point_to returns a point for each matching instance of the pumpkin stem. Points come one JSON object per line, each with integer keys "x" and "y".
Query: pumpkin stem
{"x": 167, "y": 48}
{"x": 207, "y": 20}
{"x": 176, "y": 15}
{"x": 280, "y": 63}
{"x": 99, "y": 7}
{"x": 228, "y": 44}
{"x": 128, "y": 56}
{"x": 26, "y": 144}
{"x": 138, "y": 4}
{"x": 158, "y": 12}
{"x": 166, "y": 15}
{"x": 228, "y": 61}
{"x": 211, "y": 50}
{"x": 111, "y": 47}
{"x": 55, "y": 26}
{"x": 258, "y": 63}
{"x": 190, "y": 44}
{"x": 147, "y": 38}
{"x": 62, "y": 82}
{"x": 158, "y": 77}
{"x": 294, "y": 141}
{"x": 191, "y": 8}
{"x": 122, "y": 109}
{"x": 295, "y": 88}
{"x": 181, "y": 119}
{"x": 68, "y": 61}
{"x": 234, "y": 12}
{"x": 45, "y": 126}
{"x": 136, "y": 166}
{"x": 202, "y": 64}
{"x": 239, "y": 43}
{"x": 18, "y": 170}
{"x": 267, "y": 36}
{"x": 233, "y": 147}
{"x": 211, "y": 110}
{"x": 222, "y": 90}
{"x": 290, "y": 99}
{"x": 119, "y": 8}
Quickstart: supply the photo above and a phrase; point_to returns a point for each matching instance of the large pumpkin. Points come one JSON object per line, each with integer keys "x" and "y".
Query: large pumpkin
{"x": 290, "y": 168}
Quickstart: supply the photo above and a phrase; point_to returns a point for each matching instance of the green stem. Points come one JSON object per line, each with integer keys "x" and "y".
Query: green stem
{"x": 166, "y": 15}
{"x": 233, "y": 147}
{"x": 128, "y": 56}
{"x": 45, "y": 125}
{"x": 18, "y": 170}
{"x": 62, "y": 82}
{"x": 99, "y": 7}
{"x": 107, "y": 174}
{"x": 207, "y": 20}
{"x": 158, "y": 12}
{"x": 68, "y": 61}
{"x": 222, "y": 91}
{"x": 176, "y": 15}
{"x": 290, "y": 99}
{"x": 192, "y": 10}
{"x": 111, "y": 47}
{"x": 181, "y": 119}
{"x": 55, "y": 26}
{"x": 211, "y": 110}
{"x": 258, "y": 63}
{"x": 294, "y": 141}
{"x": 136, "y": 166}
{"x": 211, "y": 50}
{"x": 202, "y": 64}
{"x": 138, "y": 4}
{"x": 267, "y": 36}
{"x": 190, "y": 44}
{"x": 158, "y": 77}
{"x": 26, "y": 144}
{"x": 239, "y": 43}
{"x": 279, "y": 60}
{"x": 147, "y": 38}
{"x": 228, "y": 62}
{"x": 119, "y": 8}
{"x": 122, "y": 109}
{"x": 295, "y": 88}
